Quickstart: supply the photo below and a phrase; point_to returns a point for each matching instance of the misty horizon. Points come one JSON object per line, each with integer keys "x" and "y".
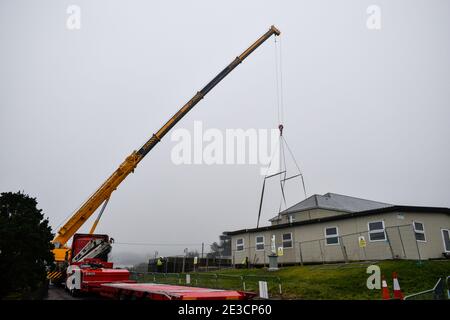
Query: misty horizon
{"x": 366, "y": 111}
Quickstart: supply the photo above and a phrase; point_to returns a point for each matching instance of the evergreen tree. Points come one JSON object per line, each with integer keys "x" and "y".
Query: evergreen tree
{"x": 25, "y": 244}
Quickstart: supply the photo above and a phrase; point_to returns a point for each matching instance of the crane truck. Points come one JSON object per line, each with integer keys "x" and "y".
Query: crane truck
{"x": 85, "y": 265}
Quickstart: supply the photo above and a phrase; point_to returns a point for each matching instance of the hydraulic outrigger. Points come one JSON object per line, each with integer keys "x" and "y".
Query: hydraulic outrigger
{"x": 103, "y": 193}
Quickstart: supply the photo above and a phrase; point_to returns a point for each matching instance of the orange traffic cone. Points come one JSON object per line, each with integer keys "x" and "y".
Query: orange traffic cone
{"x": 385, "y": 291}
{"x": 397, "y": 292}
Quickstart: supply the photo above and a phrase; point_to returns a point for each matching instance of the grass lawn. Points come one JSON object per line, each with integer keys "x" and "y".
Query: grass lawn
{"x": 349, "y": 281}
{"x": 343, "y": 281}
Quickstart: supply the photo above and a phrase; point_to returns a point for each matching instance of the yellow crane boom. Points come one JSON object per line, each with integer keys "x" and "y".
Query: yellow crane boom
{"x": 103, "y": 193}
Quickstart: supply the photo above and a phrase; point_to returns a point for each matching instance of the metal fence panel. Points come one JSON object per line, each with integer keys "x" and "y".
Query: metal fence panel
{"x": 399, "y": 243}
{"x": 213, "y": 280}
{"x": 311, "y": 252}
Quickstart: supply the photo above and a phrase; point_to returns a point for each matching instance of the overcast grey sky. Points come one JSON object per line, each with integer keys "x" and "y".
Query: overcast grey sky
{"x": 367, "y": 112}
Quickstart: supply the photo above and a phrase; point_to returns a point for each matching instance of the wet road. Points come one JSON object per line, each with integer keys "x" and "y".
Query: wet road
{"x": 58, "y": 293}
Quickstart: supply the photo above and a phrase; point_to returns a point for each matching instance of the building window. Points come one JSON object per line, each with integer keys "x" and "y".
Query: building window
{"x": 419, "y": 230}
{"x": 376, "y": 231}
{"x": 259, "y": 243}
{"x": 287, "y": 240}
{"x": 240, "y": 244}
{"x": 446, "y": 239}
{"x": 331, "y": 236}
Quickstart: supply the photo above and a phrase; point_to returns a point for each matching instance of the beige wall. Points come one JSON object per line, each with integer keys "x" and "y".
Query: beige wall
{"x": 403, "y": 244}
{"x": 307, "y": 215}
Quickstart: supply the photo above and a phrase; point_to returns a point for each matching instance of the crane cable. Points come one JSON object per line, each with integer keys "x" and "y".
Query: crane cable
{"x": 279, "y": 81}
{"x": 280, "y": 105}
{"x": 298, "y": 167}
{"x": 279, "y": 61}
{"x": 282, "y": 141}
{"x": 280, "y": 115}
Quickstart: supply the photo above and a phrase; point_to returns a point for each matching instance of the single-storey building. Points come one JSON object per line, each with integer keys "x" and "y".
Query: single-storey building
{"x": 335, "y": 228}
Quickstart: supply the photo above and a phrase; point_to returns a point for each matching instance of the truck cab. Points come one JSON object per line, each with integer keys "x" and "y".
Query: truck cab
{"x": 89, "y": 267}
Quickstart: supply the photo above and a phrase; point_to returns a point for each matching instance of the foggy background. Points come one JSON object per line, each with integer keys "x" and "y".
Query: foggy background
{"x": 366, "y": 111}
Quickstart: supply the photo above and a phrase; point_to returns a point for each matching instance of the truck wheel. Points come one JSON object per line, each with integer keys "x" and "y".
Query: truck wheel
{"x": 123, "y": 296}
{"x": 74, "y": 293}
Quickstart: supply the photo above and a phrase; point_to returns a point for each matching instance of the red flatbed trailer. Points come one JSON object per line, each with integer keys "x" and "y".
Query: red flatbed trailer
{"x": 89, "y": 272}
{"x": 154, "y": 291}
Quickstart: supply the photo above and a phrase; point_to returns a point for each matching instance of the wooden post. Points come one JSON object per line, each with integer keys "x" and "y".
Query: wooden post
{"x": 344, "y": 252}
{"x": 417, "y": 244}
{"x": 390, "y": 245}
{"x": 321, "y": 251}
{"x": 401, "y": 241}
{"x": 301, "y": 255}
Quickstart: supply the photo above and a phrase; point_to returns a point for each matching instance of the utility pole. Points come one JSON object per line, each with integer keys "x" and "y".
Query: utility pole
{"x": 155, "y": 266}
{"x": 184, "y": 259}
{"x": 203, "y": 248}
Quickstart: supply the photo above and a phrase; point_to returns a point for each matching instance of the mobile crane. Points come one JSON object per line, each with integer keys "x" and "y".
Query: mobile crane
{"x": 103, "y": 193}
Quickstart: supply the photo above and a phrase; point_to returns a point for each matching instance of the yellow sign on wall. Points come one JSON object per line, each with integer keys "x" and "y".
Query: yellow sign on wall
{"x": 280, "y": 251}
{"x": 362, "y": 242}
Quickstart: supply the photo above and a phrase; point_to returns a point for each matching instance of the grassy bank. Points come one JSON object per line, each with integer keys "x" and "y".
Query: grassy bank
{"x": 349, "y": 281}
{"x": 345, "y": 281}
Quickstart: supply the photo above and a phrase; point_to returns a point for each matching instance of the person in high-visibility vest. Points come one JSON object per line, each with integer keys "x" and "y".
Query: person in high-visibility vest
{"x": 159, "y": 264}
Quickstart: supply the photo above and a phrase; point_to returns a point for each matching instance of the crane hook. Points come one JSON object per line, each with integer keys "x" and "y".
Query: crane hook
{"x": 280, "y": 127}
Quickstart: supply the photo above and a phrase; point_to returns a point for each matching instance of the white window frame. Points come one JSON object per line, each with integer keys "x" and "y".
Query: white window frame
{"x": 331, "y": 236}
{"x": 283, "y": 241}
{"x": 238, "y": 245}
{"x": 443, "y": 240}
{"x": 376, "y": 231}
{"x": 263, "y": 243}
{"x": 419, "y": 231}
